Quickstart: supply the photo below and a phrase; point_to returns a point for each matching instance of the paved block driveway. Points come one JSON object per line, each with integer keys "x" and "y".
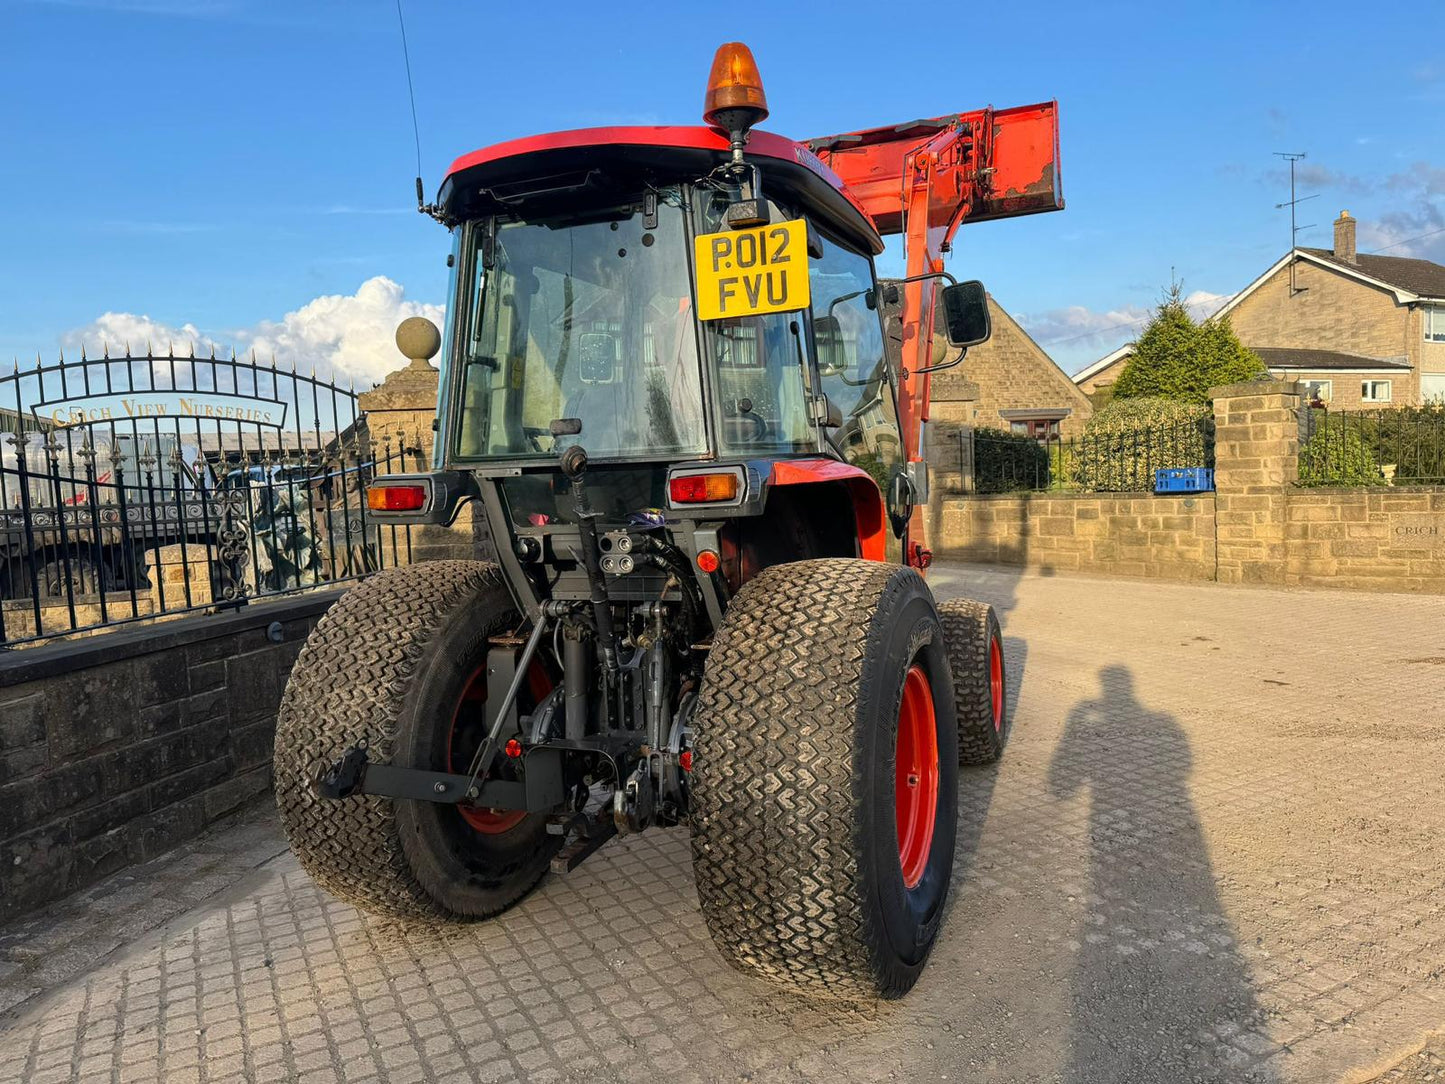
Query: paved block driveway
{"x": 1213, "y": 851}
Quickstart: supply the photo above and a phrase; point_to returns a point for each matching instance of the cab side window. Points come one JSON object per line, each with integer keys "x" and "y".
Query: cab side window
{"x": 848, "y": 336}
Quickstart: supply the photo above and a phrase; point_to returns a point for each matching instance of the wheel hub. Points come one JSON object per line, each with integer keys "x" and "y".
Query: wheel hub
{"x": 916, "y": 778}
{"x": 995, "y": 681}
{"x": 467, "y": 730}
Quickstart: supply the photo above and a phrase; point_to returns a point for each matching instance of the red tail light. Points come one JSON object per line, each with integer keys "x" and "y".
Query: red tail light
{"x": 703, "y": 488}
{"x": 384, "y": 498}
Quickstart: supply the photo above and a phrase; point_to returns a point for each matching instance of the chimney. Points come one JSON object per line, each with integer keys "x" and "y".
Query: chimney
{"x": 1345, "y": 237}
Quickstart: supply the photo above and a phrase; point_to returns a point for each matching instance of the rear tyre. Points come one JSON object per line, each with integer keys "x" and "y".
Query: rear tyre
{"x": 825, "y": 778}
{"x": 397, "y": 661}
{"x": 980, "y": 678}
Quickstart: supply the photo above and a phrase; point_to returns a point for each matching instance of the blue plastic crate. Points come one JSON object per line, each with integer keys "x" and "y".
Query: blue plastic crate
{"x": 1183, "y": 480}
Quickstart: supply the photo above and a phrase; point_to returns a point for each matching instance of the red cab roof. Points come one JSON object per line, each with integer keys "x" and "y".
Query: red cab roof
{"x": 767, "y": 148}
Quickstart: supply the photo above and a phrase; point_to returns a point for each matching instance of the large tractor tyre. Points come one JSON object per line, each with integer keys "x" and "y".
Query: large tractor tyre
{"x": 825, "y": 778}
{"x": 400, "y": 661}
{"x": 980, "y": 678}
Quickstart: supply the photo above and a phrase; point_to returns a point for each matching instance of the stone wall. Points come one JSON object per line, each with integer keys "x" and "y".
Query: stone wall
{"x": 1257, "y": 527}
{"x": 116, "y": 747}
{"x": 1256, "y": 451}
{"x": 1125, "y": 534}
{"x": 1377, "y": 538}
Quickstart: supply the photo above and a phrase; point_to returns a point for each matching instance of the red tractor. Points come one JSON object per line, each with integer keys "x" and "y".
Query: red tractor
{"x": 692, "y": 417}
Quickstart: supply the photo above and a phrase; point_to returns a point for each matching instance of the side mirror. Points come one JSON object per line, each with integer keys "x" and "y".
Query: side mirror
{"x": 965, "y": 313}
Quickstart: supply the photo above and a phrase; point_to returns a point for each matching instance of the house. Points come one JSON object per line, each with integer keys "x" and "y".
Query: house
{"x": 1357, "y": 330}
{"x": 1010, "y": 383}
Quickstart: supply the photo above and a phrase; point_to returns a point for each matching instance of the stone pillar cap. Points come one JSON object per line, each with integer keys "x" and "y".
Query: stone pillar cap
{"x": 418, "y": 340}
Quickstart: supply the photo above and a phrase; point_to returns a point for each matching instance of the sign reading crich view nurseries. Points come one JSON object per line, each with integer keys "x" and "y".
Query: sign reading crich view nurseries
{"x": 161, "y": 405}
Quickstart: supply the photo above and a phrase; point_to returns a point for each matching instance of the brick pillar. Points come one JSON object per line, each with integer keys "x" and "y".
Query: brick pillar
{"x": 1256, "y": 456}
{"x": 400, "y": 413}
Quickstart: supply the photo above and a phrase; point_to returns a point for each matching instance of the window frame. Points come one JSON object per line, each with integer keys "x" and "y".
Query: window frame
{"x": 1367, "y": 387}
{"x": 1437, "y": 396}
{"x": 1326, "y": 386}
{"x": 1434, "y": 323}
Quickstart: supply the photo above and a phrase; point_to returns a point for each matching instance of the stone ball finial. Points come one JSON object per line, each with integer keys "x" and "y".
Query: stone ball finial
{"x": 419, "y": 340}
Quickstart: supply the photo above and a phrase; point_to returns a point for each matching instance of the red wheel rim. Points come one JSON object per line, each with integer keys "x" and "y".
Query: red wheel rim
{"x": 995, "y": 680}
{"x": 915, "y": 787}
{"x": 471, "y": 705}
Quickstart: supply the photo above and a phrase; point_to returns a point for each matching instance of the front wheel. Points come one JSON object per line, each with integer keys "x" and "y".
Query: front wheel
{"x": 825, "y": 778}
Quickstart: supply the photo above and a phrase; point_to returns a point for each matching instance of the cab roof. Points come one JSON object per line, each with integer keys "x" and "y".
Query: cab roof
{"x": 505, "y": 175}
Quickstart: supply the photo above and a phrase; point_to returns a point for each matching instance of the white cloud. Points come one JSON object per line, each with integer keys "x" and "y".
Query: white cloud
{"x": 1081, "y": 326}
{"x": 345, "y": 335}
{"x": 341, "y": 336}
{"x": 119, "y": 333}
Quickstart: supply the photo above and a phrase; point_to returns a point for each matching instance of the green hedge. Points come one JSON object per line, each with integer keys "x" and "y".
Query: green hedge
{"x": 1126, "y": 442}
{"x": 1403, "y": 445}
{"x": 1008, "y": 462}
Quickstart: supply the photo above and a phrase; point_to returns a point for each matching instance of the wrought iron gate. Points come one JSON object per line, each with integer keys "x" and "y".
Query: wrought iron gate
{"x": 139, "y": 485}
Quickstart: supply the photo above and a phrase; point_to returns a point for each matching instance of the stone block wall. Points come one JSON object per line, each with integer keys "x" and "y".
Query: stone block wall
{"x": 1256, "y": 450}
{"x": 1125, "y": 534}
{"x": 1376, "y": 538}
{"x": 115, "y": 748}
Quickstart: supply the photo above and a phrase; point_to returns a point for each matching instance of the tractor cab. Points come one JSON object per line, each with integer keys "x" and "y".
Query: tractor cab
{"x": 603, "y": 298}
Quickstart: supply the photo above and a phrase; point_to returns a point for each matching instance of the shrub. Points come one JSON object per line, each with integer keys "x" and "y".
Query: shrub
{"x": 1176, "y": 358}
{"x": 1126, "y": 442}
{"x": 1008, "y": 462}
{"x": 1340, "y": 450}
{"x": 1412, "y": 439}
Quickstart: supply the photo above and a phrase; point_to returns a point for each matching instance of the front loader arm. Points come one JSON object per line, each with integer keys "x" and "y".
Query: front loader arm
{"x": 924, "y": 180}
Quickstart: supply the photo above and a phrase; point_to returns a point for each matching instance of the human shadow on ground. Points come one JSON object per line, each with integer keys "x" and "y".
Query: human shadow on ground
{"x": 1160, "y": 992}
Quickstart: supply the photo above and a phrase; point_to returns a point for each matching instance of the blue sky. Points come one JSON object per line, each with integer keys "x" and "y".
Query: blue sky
{"x": 240, "y": 171}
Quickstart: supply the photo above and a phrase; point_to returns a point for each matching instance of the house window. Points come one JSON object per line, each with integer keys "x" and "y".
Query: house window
{"x": 1375, "y": 391}
{"x": 1038, "y": 428}
{"x": 1318, "y": 391}
{"x": 1435, "y": 324}
{"x": 1432, "y": 387}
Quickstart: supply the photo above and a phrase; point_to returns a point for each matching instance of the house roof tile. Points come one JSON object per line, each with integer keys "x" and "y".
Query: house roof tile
{"x": 1287, "y": 357}
{"x": 1423, "y": 277}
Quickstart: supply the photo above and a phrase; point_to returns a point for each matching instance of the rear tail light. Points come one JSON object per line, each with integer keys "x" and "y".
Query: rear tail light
{"x": 408, "y": 498}
{"x": 704, "y": 488}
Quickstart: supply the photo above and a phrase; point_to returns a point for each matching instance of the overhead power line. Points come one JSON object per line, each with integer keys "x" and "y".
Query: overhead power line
{"x": 1406, "y": 241}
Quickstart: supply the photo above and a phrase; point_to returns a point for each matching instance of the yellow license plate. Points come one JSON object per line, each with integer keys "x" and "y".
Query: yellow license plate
{"x": 747, "y": 272}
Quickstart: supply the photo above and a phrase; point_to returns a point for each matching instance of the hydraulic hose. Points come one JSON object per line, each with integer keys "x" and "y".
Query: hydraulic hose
{"x": 574, "y": 465}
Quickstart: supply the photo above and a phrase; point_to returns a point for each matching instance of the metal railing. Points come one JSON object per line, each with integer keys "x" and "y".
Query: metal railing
{"x": 137, "y": 487}
{"x": 1117, "y": 462}
{"x": 1392, "y": 446}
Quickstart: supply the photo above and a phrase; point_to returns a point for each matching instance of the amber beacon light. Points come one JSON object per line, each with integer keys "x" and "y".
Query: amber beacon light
{"x": 735, "y": 100}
